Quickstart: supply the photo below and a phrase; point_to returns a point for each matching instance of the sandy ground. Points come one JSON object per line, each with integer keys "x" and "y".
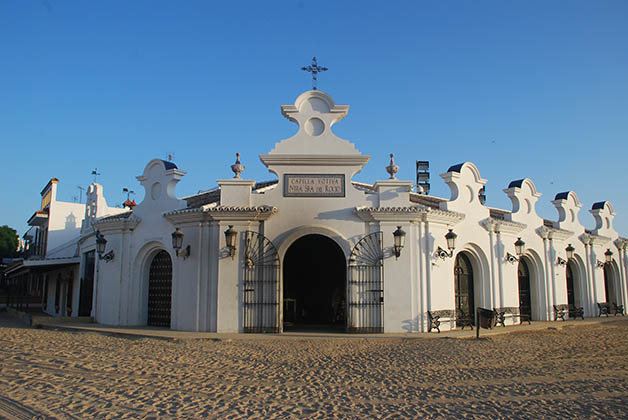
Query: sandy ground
{"x": 575, "y": 372}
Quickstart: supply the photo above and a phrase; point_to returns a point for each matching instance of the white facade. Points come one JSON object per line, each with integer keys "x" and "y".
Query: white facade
{"x": 313, "y": 199}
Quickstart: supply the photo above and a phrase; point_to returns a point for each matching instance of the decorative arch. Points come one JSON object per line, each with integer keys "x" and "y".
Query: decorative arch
{"x": 612, "y": 286}
{"x": 481, "y": 274}
{"x": 143, "y": 260}
{"x": 292, "y": 236}
{"x": 537, "y": 282}
{"x": 579, "y": 276}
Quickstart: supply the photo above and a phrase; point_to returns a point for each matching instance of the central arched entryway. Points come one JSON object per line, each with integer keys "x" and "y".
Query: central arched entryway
{"x": 314, "y": 284}
{"x": 160, "y": 290}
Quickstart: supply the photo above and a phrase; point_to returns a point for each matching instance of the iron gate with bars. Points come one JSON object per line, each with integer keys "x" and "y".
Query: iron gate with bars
{"x": 365, "y": 286}
{"x": 261, "y": 285}
{"x": 160, "y": 290}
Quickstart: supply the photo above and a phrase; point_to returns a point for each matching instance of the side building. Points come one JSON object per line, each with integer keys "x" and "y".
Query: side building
{"x": 50, "y": 275}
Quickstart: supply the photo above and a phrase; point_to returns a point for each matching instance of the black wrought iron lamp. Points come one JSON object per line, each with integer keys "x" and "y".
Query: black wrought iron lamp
{"x": 520, "y": 249}
{"x": 101, "y": 246}
{"x": 230, "y": 239}
{"x": 450, "y": 237}
{"x": 177, "y": 244}
{"x": 569, "y": 250}
{"x": 399, "y": 237}
{"x": 608, "y": 258}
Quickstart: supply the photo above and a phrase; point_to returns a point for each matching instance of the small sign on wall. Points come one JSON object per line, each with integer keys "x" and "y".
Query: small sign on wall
{"x": 313, "y": 185}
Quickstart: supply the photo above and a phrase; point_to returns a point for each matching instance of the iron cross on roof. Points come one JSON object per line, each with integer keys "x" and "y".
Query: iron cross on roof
{"x": 314, "y": 68}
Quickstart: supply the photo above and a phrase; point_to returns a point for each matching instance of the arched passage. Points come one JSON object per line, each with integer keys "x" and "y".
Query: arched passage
{"x": 464, "y": 290}
{"x": 160, "y": 290}
{"x": 314, "y": 283}
{"x": 525, "y": 292}
{"x": 573, "y": 297}
{"x": 610, "y": 289}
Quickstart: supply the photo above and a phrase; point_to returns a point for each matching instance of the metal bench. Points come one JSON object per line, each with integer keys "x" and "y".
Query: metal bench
{"x": 564, "y": 309}
{"x": 458, "y": 316}
{"x": 575, "y": 312}
{"x": 618, "y": 309}
{"x": 603, "y": 308}
{"x": 509, "y": 312}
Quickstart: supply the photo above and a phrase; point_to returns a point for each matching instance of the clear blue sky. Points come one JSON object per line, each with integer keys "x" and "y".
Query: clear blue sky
{"x": 534, "y": 89}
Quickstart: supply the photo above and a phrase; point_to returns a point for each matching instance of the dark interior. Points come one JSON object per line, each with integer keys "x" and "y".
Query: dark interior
{"x": 314, "y": 273}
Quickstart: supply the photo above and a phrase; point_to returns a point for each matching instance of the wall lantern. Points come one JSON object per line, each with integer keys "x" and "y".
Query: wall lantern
{"x": 451, "y": 245}
{"x": 230, "y": 238}
{"x": 101, "y": 245}
{"x": 400, "y": 240}
{"x": 608, "y": 258}
{"x": 177, "y": 244}
{"x": 570, "y": 250}
{"x": 520, "y": 249}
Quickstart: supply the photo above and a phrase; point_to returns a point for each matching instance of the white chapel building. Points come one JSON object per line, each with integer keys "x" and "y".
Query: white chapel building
{"x": 314, "y": 249}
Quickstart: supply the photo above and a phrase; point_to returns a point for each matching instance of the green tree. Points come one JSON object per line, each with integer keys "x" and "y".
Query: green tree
{"x": 8, "y": 242}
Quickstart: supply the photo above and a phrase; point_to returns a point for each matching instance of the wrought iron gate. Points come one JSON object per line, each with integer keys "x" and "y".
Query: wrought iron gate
{"x": 160, "y": 290}
{"x": 261, "y": 285}
{"x": 365, "y": 286}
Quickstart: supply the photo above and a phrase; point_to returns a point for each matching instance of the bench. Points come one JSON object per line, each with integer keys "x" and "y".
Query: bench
{"x": 457, "y": 316}
{"x": 509, "y": 312}
{"x": 618, "y": 309}
{"x": 564, "y": 309}
{"x": 603, "y": 308}
{"x": 576, "y": 311}
{"x": 606, "y": 309}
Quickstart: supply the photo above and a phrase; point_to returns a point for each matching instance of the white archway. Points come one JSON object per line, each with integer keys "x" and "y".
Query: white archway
{"x": 537, "y": 281}
{"x": 481, "y": 274}
{"x": 140, "y": 281}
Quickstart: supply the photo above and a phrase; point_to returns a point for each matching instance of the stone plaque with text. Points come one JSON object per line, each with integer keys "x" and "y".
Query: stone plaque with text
{"x": 313, "y": 185}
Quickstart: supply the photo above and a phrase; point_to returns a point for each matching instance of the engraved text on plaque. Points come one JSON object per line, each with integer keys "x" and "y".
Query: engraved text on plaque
{"x": 313, "y": 185}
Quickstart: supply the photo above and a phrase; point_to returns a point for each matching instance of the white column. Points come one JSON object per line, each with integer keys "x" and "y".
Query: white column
{"x": 491, "y": 285}
{"x": 428, "y": 274}
{"x": 588, "y": 304}
{"x": 500, "y": 265}
{"x": 552, "y": 266}
{"x": 548, "y": 297}
{"x": 624, "y": 275}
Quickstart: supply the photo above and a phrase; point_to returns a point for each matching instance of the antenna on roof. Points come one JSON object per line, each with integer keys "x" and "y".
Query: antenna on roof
{"x": 95, "y": 173}
{"x": 81, "y": 189}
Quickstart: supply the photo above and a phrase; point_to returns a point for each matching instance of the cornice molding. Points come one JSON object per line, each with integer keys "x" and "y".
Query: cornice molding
{"x": 502, "y": 226}
{"x": 110, "y": 223}
{"x": 314, "y": 160}
{"x": 213, "y": 212}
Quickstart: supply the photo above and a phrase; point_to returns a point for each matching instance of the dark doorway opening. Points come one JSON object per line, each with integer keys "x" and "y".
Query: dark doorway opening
{"x": 525, "y": 300}
{"x": 314, "y": 284}
{"x": 465, "y": 301}
{"x": 160, "y": 290}
{"x": 87, "y": 284}
{"x": 608, "y": 285}
{"x": 571, "y": 291}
